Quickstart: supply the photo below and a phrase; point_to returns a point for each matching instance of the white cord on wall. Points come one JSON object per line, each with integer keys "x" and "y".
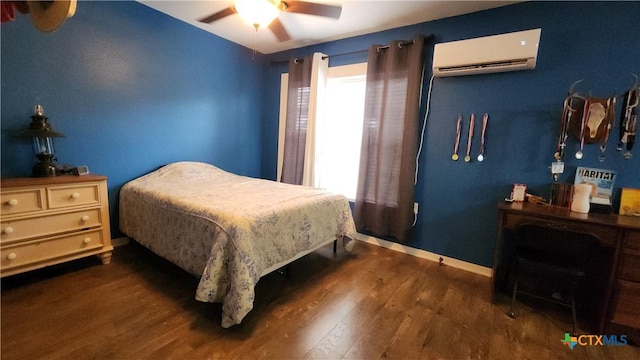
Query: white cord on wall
{"x": 424, "y": 126}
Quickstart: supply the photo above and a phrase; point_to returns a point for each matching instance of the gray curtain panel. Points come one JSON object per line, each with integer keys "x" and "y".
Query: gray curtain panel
{"x": 385, "y": 196}
{"x": 297, "y": 116}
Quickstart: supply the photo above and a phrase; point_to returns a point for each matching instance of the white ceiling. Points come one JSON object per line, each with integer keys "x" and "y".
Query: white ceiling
{"x": 358, "y": 17}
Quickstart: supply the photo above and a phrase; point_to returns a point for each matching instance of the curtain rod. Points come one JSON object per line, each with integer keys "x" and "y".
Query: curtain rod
{"x": 400, "y": 44}
{"x": 426, "y": 38}
{"x": 280, "y": 62}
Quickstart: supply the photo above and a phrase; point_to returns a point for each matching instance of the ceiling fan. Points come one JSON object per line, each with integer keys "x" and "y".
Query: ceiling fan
{"x": 264, "y": 13}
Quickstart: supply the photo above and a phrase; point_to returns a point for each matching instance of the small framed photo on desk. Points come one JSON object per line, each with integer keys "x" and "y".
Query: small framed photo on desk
{"x": 630, "y": 202}
{"x": 519, "y": 192}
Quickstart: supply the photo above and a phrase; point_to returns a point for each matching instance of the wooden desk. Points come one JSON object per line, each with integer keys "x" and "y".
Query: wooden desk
{"x": 616, "y": 276}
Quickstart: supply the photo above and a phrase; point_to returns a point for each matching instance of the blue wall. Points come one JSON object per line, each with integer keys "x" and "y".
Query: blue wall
{"x": 458, "y": 218}
{"x": 132, "y": 89}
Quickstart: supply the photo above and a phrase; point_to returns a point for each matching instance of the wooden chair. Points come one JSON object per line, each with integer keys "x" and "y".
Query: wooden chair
{"x": 556, "y": 259}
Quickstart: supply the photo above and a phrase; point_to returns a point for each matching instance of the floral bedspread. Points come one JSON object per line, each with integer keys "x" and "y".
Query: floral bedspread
{"x": 229, "y": 229}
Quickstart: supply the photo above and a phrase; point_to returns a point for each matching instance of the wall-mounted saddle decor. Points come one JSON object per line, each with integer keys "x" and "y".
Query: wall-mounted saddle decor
{"x": 593, "y": 119}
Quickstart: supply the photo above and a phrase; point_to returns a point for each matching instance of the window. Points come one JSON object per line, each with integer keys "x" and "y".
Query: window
{"x": 339, "y": 132}
{"x": 339, "y": 135}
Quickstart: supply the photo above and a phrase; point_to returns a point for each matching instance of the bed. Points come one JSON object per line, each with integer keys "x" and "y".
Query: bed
{"x": 230, "y": 230}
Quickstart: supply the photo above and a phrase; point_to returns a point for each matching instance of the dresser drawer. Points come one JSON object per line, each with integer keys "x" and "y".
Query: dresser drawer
{"x": 76, "y": 195}
{"x": 630, "y": 266}
{"x": 632, "y": 239}
{"x": 22, "y": 201}
{"x": 33, "y": 252}
{"x": 626, "y": 308}
{"x": 20, "y": 229}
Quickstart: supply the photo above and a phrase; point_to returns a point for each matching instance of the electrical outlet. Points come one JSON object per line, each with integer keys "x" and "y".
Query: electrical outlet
{"x": 415, "y": 208}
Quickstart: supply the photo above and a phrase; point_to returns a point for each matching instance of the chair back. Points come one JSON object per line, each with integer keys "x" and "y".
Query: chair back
{"x": 570, "y": 248}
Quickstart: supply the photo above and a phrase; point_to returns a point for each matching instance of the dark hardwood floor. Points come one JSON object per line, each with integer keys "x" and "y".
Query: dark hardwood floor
{"x": 372, "y": 303}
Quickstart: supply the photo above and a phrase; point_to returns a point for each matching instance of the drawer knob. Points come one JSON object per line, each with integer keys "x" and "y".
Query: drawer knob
{"x": 84, "y": 218}
{"x": 12, "y": 256}
{"x": 12, "y": 202}
{"x": 7, "y": 230}
{"x": 75, "y": 195}
{"x": 86, "y": 240}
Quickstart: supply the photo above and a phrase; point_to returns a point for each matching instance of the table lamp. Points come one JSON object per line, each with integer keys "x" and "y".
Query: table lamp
{"x": 42, "y": 134}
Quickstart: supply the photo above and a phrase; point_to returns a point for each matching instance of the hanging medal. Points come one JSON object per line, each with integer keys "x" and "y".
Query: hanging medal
{"x": 485, "y": 120}
{"x": 567, "y": 113}
{"x": 454, "y": 157}
{"x": 629, "y": 119}
{"x": 562, "y": 136}
{"x": 585, "y": 116}
{"x": 611, "y": 102}
{"x": 631, "y": 135}
{"x": 565, "y": 121}
{"x": 467, "y": 158}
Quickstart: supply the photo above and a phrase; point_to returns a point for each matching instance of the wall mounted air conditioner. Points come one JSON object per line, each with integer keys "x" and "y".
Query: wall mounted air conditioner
{"x": 489, "y": 54}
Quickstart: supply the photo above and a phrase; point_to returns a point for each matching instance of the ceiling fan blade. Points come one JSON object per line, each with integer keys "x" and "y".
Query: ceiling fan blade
{"x": 279, "y": 31}
{"x": 304, "y": 7}
{"x": 219, "y": 15}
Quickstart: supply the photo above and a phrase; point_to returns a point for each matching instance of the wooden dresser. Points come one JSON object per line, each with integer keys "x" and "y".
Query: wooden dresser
{"x": 615, "y": 290}
{"x": 50, "y": 220}
{"x": 625, "y": 314}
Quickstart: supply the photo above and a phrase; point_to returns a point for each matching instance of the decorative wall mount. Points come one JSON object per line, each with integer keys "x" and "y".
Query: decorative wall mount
{"x": 592, "y": 119}
{"x": 628, "y": 119}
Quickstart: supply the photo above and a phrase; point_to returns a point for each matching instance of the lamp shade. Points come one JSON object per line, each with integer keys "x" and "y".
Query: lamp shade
{"x": 39, "y": 126}
{"x": 259, "y": 13}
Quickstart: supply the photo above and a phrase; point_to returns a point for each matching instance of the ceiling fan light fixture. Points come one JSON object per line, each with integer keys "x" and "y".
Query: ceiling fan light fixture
{"x": 258, "y": 13}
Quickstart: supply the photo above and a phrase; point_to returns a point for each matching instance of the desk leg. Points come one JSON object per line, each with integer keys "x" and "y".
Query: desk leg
{"x": 497, "y": 257}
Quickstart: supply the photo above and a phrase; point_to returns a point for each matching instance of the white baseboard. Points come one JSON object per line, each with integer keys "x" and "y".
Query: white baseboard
{"x": 459, "y": 264}
{"x": 120, "y": 241}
